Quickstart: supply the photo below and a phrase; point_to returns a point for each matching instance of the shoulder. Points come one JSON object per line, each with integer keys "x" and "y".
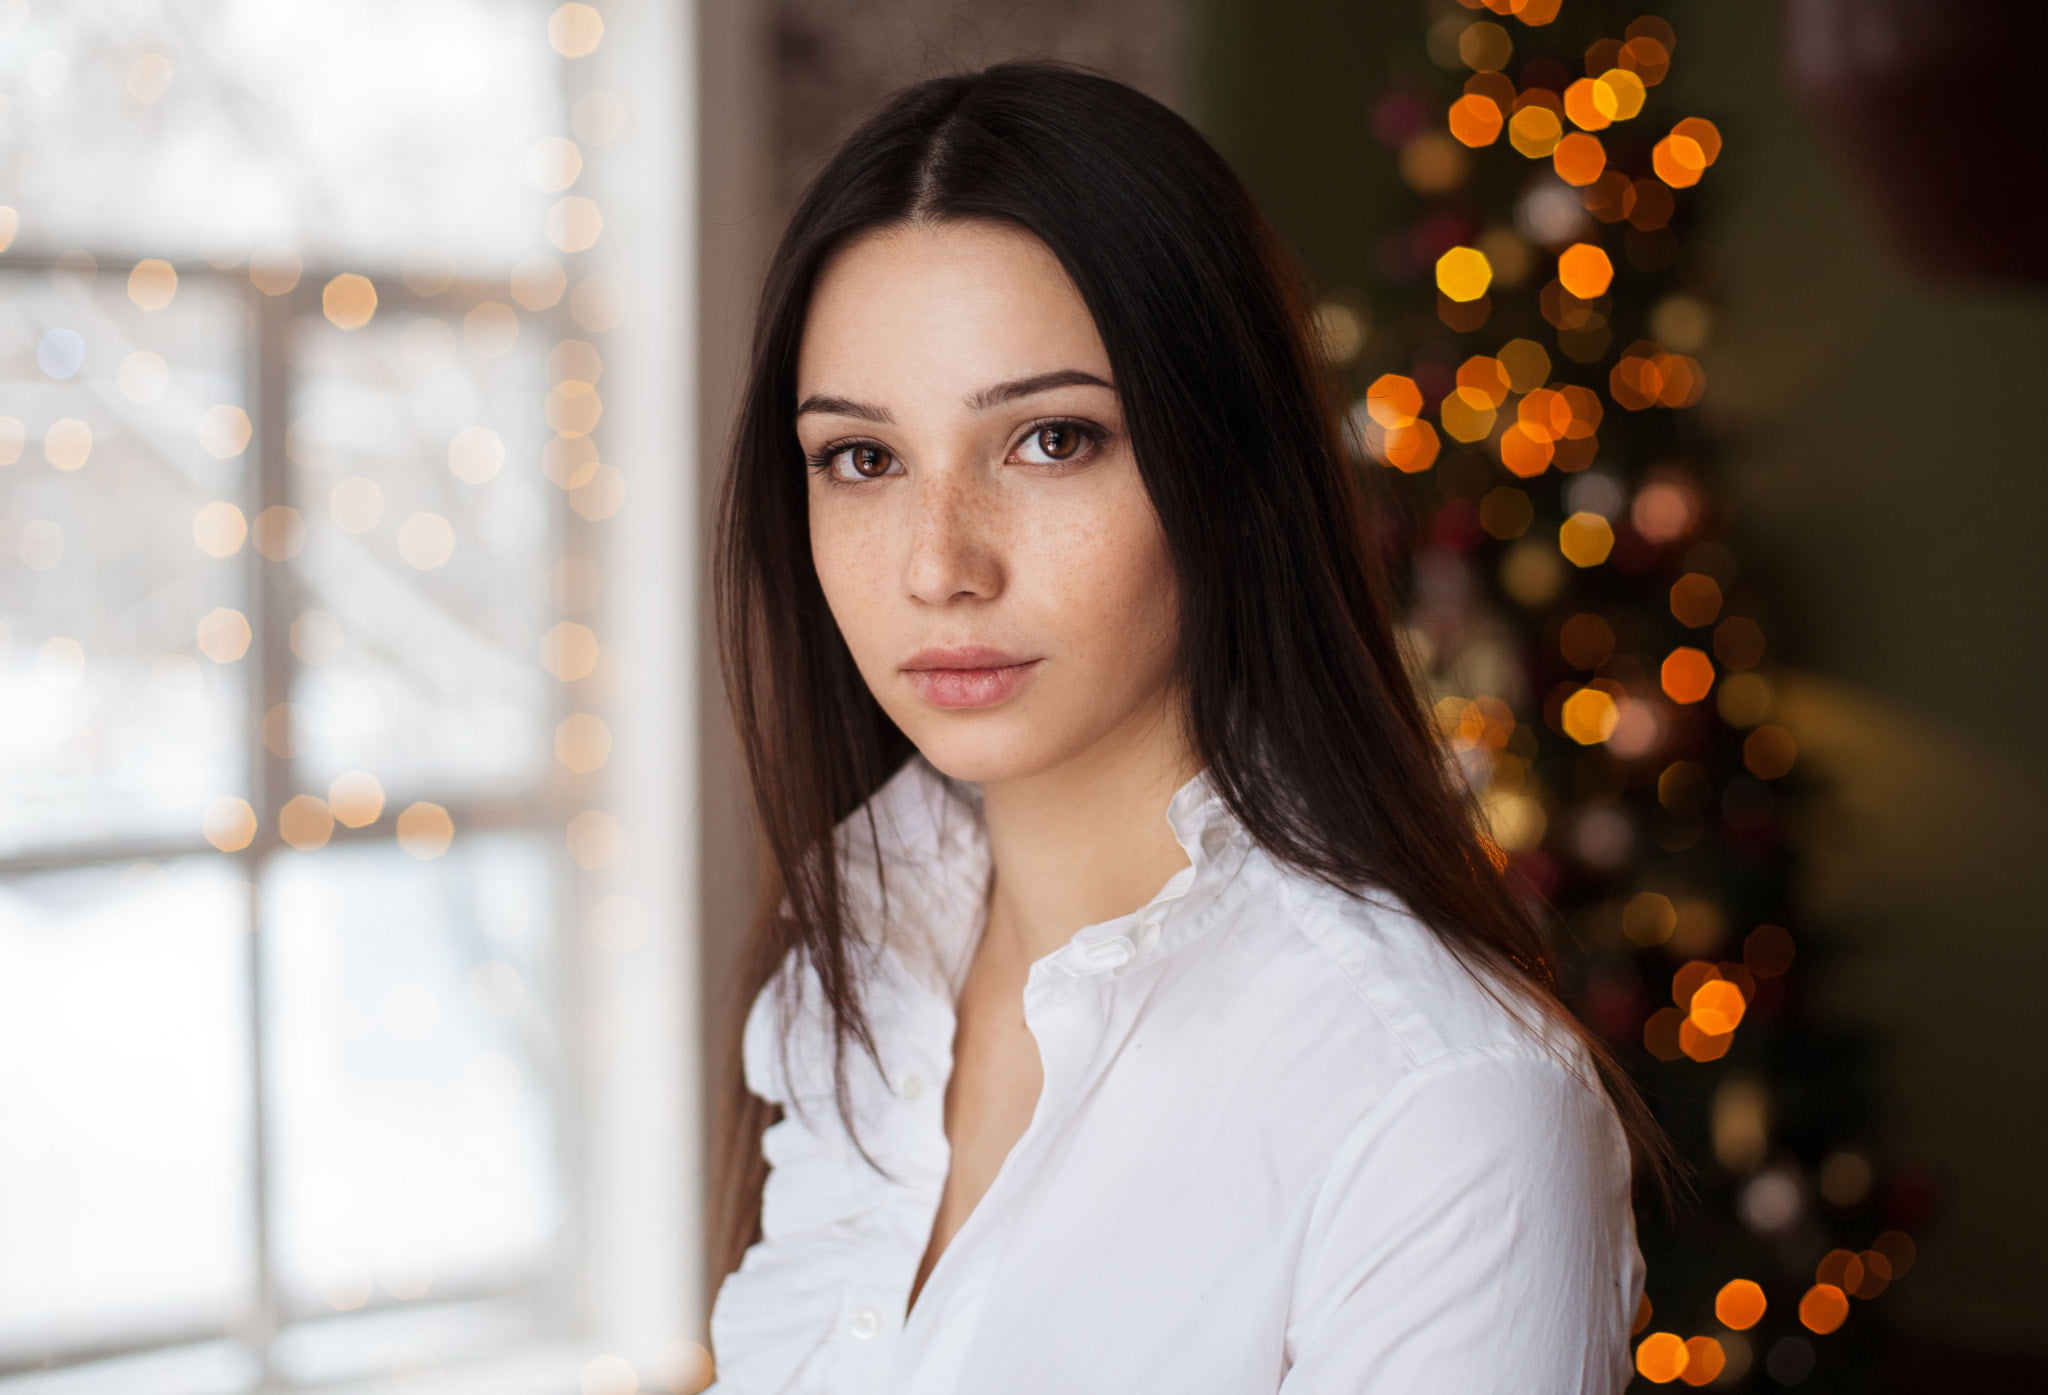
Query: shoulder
{"x": 1386, "y": 997}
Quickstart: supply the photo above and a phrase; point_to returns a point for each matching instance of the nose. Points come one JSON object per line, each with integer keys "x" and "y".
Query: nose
{"x": 953, "y": 546}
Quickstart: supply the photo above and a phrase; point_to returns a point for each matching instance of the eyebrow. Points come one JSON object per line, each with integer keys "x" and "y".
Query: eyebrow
{"x": 976, "y": 402}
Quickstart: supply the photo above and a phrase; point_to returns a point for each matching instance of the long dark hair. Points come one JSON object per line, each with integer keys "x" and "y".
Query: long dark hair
{"x": 1299, "y": 702}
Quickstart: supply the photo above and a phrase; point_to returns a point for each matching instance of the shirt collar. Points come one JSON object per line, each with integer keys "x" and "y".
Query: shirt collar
{"x": 934, "y": 875}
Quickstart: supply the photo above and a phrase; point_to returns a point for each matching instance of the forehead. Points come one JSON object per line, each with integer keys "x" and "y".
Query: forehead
{"x": 942, "y": 310}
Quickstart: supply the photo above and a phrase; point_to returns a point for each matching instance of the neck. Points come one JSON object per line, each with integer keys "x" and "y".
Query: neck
{"x": 1083, "y": 842}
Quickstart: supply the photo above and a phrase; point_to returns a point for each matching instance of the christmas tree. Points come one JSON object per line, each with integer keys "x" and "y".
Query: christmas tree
{"x": 1523, "y": 344}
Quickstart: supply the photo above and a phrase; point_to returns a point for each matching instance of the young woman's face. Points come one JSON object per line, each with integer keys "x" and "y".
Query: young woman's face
{"x": 972, "y": 488}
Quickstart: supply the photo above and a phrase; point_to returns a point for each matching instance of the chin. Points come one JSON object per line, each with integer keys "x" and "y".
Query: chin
{"x": 984, "y": 747}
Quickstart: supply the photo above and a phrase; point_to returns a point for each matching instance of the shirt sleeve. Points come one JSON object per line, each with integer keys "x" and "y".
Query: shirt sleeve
{"x": 1474, "y": 1234}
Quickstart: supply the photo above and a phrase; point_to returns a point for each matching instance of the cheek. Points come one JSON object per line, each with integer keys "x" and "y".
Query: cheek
{"x": 847, "y": 555}
{"x": 1114, "y": 586}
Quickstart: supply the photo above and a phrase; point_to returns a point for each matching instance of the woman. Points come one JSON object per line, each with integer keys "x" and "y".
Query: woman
{"x": 1202, "y": 1045}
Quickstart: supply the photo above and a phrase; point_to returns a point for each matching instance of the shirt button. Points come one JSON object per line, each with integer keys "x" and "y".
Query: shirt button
{"x": 867, "y": 1324}
{"x": 913, "y": 1087}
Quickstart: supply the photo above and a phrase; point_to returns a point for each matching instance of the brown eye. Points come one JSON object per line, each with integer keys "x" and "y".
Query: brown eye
{"x": 1059, "y": 440}
{"x": 869, "y": 461}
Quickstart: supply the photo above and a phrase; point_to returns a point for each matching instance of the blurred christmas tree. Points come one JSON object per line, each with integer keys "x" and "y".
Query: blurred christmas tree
{"x": 1523, "y": 354}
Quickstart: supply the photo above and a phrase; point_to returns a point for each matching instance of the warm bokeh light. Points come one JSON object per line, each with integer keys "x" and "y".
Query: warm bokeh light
{"x": 229, "y": 823}
{"x": 425, "y": 830}
{"x": 1525, "y": 454}
{"x": 582, "y": 742}
{"x": 1589, "y": 716}
{"x": 1717, "y": 1007}
{"x": 1687, "y": 674}
{"x": 1585, "y": 539}
{"x": 224, "y": 635}
{"x": 569, "y": 651}
{"x": 348, "y": 301}
{"x": 152, "y": 284}
{"x": 1841, "y": 1268}
{"x": 1590, "y": 104}
{"x": 1695, "y": 599}
{"x": 1483, "y": 381}
{"x": 1485, "y": 47}
{"x": 1464, "y": 422}
{"x": 574, "y": 223}
{"x": 355, "y": 798}
{"x": 279, "y": 532}
{"x": 1824, "y": 1308}
{"x": 67, "y": 443}
{"x": 1411, "y": 448}
{"x": 1740, "y": 1304}
{"x": 1579, "y": 159}
{"x": 1629, "y": 92}
{"x": 305, "y": 822}
{"x": 1463, "y": 273}
{"x": 1394, "y": 401}
{"x": 1678, "y": 161}
{"x": 1661, "y": 1357}
{"x": 1703, "y": 133}
{"x": 219, "y": 529}
{"x": 1704, "y": 1360}
{"x": 1535, "y": 131}
{"x": 1585, "y": 270}
{"x": 1646, "y": 57}
{"x": 1475, "y": 120}
{"x": 1527, "y": 364}
{"x": 575, "y": 30}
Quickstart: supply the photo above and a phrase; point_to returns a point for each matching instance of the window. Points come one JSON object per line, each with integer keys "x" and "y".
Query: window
{"x": 325, "y": 953}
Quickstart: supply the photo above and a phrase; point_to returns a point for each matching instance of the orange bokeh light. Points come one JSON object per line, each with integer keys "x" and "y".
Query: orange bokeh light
{"x": 1704, "y": 1360}
{"x": 1586, "y": 412}
{"x": 1678, "y": 161}
{"x": 1522, "y": 452}
{"x": 1590, "y": 105}
{"x": 1661, "y": 1357}
{"x": 1702, "y": 1046}
{"x": 1483, "y": 381}
{"x": 1535, "y": 131}
{"x": 1646, "y": 58}
{"x": 1629, "y": 91}
{"x": 1411, "y": 448}
{"x": 1717, "y": 1007}
{"x": 1740, "y": 1304}
{"x": 1702, "y": 132}
{"x": 1585, "y": 270}
{"x": 1475, "y": 120}
{"x": 1394, "y": 401}
{"x": 1687, "y": 675}
{"x": 1824, "y": 1308}
{"x": 1579, "y": 159}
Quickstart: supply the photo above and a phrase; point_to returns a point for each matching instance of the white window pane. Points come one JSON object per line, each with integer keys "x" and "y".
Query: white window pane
{"x": 414, "y": 1063}
{"x": 419, "y": 465}
{"x": 124, "y": 1201}
{"x": 123, "y": 557}
{"x": 371, "y": 130}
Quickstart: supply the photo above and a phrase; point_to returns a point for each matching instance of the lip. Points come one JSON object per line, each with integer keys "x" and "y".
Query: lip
{"x": 965, "y": 656}
{"x": 973, "y": 675}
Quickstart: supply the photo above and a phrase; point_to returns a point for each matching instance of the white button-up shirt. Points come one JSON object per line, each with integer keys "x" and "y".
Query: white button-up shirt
{"x": 1285, "y": 1143}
